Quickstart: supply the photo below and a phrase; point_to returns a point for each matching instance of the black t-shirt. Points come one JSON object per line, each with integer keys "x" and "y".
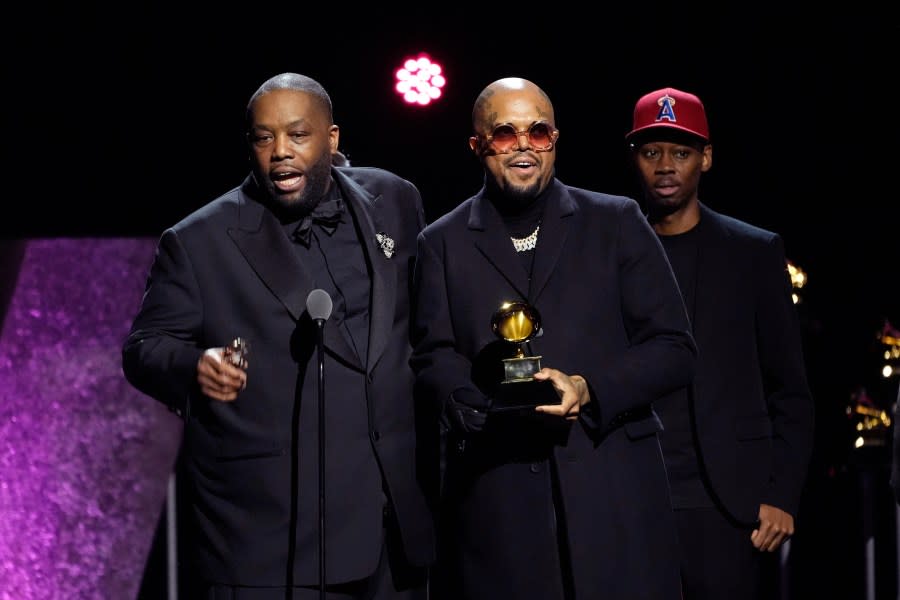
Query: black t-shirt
{"x": 677, "y": 439}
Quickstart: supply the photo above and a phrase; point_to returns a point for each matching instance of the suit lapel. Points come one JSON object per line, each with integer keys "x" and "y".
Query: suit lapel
{"x": 490, "y": 236}
{"x": 384, "y": 272}
{"x": 551, "y": 238}
{"x": 710, "y": 265}
{"x": 261, "y": 239}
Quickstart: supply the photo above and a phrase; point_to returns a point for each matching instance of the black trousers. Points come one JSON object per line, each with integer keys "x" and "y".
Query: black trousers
{"x": 718, "y": 560}
{"x": 394, "y": 579}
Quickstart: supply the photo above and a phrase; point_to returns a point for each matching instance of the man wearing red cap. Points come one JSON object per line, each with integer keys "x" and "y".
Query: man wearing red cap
{"x": 738, "y": 440}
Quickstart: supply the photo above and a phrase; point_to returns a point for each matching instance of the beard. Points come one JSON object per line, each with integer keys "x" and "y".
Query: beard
{"x": 511, "y": 194}
{"x": 318, "y": 178}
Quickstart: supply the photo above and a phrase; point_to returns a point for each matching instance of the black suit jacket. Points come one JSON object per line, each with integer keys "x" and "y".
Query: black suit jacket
{"x": 751, "y": 401}
{"x": 230, "y": 270}
{"x": 611, "y": 311}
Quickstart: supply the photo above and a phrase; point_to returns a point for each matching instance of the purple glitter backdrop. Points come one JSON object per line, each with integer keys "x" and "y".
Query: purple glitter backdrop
{"x": 84, "y": 458}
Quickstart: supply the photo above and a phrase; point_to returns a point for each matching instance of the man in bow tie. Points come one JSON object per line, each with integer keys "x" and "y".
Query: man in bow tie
{"x": 243, "y": 267}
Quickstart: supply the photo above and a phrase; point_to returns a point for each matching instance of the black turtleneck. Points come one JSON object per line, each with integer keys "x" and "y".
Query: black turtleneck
{"x": 521, "y": 217}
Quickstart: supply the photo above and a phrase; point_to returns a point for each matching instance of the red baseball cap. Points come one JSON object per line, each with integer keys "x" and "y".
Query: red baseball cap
{"x": 672, "y": 109}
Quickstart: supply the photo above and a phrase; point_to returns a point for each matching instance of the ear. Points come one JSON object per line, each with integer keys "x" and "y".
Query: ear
{"x": 473, "y": 144}
{"x": 706, "y": 165}
{"x": 334, "y": 138}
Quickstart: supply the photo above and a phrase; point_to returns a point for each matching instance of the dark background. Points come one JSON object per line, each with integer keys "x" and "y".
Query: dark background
{"x": 123, "y": 120}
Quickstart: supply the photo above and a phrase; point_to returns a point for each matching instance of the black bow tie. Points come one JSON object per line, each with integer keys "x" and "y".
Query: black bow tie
{"x": 326, "y": 214}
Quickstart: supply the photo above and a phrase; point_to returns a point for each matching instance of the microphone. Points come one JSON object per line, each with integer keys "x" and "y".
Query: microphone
{"x": 319, "y": 305}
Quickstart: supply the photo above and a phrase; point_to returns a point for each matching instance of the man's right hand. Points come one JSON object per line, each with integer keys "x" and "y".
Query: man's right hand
{"x": 219, "y": 379}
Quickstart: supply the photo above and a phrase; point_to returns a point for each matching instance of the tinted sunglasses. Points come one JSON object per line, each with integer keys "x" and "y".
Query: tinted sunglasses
{"x": 505, "y": 138}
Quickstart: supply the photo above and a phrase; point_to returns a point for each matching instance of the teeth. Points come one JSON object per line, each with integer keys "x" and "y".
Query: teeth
{"x": 289, "y": 181}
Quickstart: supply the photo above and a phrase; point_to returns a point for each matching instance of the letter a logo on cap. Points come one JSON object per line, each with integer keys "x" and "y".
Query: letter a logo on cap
{"x": 666, "y": 110}
{"x": 657, "y": 109}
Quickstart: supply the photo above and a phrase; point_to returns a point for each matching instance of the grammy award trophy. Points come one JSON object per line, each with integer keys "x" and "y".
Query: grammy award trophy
{"x": 518, "y": 323}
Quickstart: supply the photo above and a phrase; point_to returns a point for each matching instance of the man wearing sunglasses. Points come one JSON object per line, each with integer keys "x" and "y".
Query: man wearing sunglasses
{"x": 737, "y": 441}
{"x": 566, "y": 499}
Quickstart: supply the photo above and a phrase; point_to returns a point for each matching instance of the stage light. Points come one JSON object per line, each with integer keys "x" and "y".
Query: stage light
{"x": 420, "y": 80}
{"x": 798, "y": 280}
{"x": 890, "y": 338}
{"x": 871, "y": 422}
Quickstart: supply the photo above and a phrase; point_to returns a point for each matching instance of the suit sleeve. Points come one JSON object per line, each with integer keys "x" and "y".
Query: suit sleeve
{"x": 784, "y": 379}
{"x": 661, "y": 354}
{"x": 440, "y": 369}
{"x": 159, "y": 356}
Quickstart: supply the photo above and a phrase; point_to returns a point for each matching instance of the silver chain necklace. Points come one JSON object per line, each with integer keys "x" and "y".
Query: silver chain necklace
{"x": 526, "y": 243}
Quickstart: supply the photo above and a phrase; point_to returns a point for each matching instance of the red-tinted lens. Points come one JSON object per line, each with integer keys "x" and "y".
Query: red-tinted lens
{"x": 503, "y": 138}
{"x": 540, "y": 136}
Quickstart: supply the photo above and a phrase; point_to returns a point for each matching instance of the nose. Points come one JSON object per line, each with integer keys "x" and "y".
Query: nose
{"x": 281, "y": 148}
{"x": 520, "y": 135}
{"x": 665, "y": 163}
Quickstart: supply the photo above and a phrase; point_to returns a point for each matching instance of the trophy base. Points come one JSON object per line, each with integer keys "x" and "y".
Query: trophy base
{"x": 518, "y": 395}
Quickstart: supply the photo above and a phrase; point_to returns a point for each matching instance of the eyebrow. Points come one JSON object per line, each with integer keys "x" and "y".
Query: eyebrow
{"x": 295, "y": 123}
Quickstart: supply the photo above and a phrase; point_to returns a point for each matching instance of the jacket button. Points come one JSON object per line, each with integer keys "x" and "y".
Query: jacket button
{"x": 376, "y": 435}
{"x": 535, "y": 467}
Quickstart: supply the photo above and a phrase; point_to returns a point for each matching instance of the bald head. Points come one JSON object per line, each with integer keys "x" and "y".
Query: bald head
{"x": 486, "y": 109}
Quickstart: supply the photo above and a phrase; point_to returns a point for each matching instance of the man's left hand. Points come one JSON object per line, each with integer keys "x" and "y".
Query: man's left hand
{"x": 775, "y": 526}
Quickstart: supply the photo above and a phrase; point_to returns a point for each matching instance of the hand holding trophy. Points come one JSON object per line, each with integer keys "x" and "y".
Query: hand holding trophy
{"x": 216, "y": 370}
{"x": 518, "y": 323}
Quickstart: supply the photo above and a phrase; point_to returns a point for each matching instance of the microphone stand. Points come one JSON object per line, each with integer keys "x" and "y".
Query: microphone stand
{"x": 319, "y": 306}
{"x": 320, "y": 325}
